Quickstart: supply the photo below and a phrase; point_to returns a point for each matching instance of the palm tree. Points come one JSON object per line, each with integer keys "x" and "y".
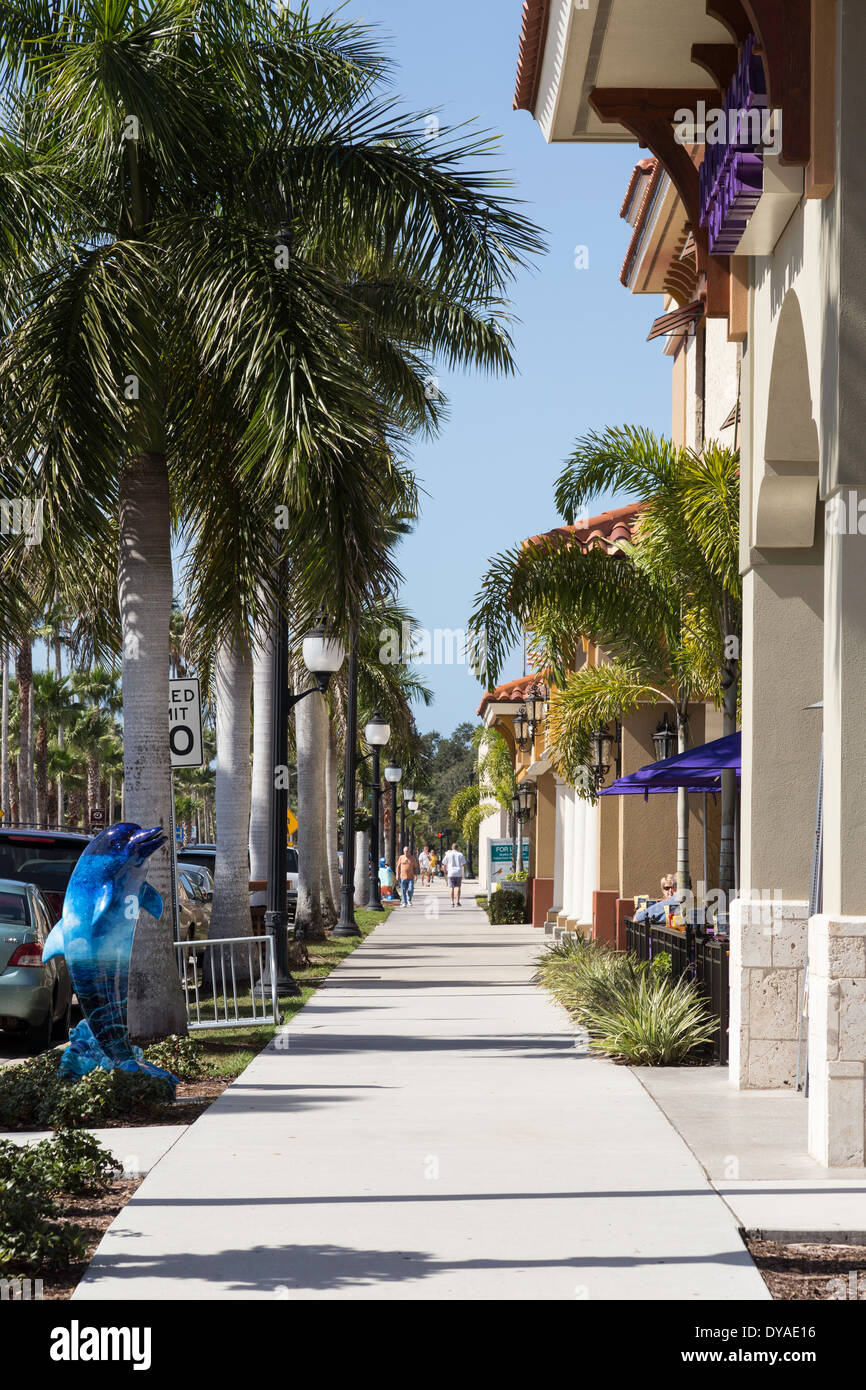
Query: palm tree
{"x": 665, "y": 608}
{"x": 263, "y": 770}
{"x": 4, "y": 734}
{"x": 494, "y": 788}
{"x": 181, "y": 131}
{"x": 230, "y": 914}
{"x": 24, "y": 677}
{"x": 312, "y": 917}
{"x": 53, "y": 703}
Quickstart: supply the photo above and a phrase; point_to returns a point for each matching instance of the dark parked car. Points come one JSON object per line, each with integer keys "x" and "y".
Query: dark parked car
{"x": 43, "y": 857}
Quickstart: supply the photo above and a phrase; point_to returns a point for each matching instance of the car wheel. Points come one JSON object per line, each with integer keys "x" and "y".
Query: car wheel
{"x": 38, "y": 1035}
{"x": 60, "y": 1031}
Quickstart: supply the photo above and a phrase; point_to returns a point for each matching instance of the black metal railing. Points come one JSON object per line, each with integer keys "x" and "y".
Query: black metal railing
{"x": 699, "y": 956}
{"x": 711, "y": 974}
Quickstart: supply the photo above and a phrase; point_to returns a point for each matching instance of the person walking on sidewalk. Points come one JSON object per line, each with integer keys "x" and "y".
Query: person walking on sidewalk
{"x": 454, "y": 864}
{"x": 407, "y": 868}
{"x": 424, "y": 866}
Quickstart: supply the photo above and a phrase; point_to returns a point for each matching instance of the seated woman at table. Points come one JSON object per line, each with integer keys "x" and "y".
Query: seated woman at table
{"x": 655, "y": 912}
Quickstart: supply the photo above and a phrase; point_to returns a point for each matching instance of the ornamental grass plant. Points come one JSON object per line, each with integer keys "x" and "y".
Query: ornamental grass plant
{"x": 633, "y": 1011}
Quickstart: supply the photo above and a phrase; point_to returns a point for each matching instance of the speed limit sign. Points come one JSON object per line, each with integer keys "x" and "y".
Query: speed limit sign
{"x": 184, "y": 722}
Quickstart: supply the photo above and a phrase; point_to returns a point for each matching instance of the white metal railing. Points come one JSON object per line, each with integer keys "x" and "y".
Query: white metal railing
{"x": 222, "y": 998}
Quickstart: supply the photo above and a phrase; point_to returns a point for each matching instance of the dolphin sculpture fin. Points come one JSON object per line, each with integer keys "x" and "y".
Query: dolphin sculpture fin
{"x": 151, "y": 901}
{"x": 54, "y": 943}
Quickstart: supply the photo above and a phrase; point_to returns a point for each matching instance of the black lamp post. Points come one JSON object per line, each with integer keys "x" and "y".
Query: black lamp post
{"x": 377, "y": 732}
{"x": 323, "y": 655}
{"x": 413, "y": 807}
{"x": 393, "y": 773}
{"x": 347, "y": 926}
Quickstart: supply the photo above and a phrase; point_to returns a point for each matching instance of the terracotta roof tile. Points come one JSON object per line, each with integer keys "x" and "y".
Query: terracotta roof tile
{"x": 652, "y": 182}
{"x": 532, "y": 38}
{"x": 513, "y": 692}
{"x": 603, "y": 531}
{"x": 643, "y": 166}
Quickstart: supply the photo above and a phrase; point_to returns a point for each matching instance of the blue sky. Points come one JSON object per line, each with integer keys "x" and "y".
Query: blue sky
{"x": 581, "y": 350}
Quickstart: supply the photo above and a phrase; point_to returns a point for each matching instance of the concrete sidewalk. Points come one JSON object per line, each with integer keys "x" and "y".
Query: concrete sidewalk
{"x": 428, "y": 1127}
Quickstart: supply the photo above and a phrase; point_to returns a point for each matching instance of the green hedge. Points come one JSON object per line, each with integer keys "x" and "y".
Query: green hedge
{"x": 506, "y": 907}
{"x": 32, "y": 1096}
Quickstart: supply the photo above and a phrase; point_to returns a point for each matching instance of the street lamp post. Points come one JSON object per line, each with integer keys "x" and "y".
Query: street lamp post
{"x": 323, "y": 655}
{"x": 377, "y": 732}
{"x": 413, "y": 807}
{"x": 393, "y": 773}
{"x": 347, "y": 926}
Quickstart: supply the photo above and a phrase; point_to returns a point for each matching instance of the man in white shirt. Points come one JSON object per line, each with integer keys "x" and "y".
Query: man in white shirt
{"x": 454, "y": 864}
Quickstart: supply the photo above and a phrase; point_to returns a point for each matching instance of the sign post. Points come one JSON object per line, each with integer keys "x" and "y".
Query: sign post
{"x": 186, "y": 749}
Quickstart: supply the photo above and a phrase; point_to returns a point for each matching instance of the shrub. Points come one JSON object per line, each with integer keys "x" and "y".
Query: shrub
{"x": 30, "y": 1233}
{"x": 31, "y": 1175}
{"x": 582, "y": 970}
{"x": 76, "y": 1163}
{"x": 631, "y": 1009}
{"x": 181, "y": 1055}
{"x": 647, "y": 1021}
{"x": 506, "y": 907}
{"x": 32, "y": 1096}
{"x": 660, "y": 964}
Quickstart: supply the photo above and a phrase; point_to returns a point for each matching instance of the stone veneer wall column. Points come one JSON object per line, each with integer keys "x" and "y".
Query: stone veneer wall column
{"x": 768, "y": 948}
{"x": 837, "y": 1040}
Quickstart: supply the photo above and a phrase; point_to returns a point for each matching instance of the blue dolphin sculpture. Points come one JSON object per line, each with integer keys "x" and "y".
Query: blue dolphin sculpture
{"x": 107, "y": 888}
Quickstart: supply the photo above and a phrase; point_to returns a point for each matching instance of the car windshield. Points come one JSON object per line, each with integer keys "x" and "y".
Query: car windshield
{"x": 46, "y": 861}
{"x": 14, "y": 908}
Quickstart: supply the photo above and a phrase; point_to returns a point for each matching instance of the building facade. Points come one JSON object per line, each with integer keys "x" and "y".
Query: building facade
{"x": 754, "y": 110}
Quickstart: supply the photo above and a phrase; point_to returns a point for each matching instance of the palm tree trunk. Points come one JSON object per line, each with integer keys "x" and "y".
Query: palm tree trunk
{"x": 362, "y": 871}
{"x": 7, "y": 799}
{"x": 110, "y": 816}
{"x": 331, "y": 810}
{"x": 263, "y": 769}
{"x": 233, "y": 679}
{"x": 14, "y": 802}
{"x": 92, "y": 785}
{"x": 311, "y": 735}
{"x": 42, "y": 775}
{"x": 24, "y": 672}
{"x": 144, "y": 581}
{"x": 684, "y": 882}
{"x": 58, "y": 671}
{"x": 329, "y": 901}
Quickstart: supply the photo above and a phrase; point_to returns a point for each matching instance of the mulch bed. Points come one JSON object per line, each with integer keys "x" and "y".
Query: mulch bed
{"x": 193, "y": 1098}
{"x": 95, "y": 1215}
{"x": 814, "y": 1273}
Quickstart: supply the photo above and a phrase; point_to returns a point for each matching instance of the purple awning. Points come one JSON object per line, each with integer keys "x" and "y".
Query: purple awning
{"x": 698, "y": 770}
